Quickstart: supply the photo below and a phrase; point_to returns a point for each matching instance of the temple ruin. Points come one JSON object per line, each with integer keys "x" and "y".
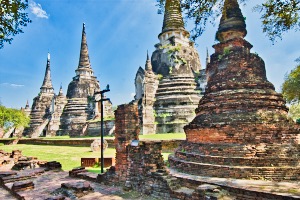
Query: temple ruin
{"x": 80, "y": 106}
{"x": 168, "y": 89}
{"x": 53, "y": 114}
{"x": 241, "y": 129}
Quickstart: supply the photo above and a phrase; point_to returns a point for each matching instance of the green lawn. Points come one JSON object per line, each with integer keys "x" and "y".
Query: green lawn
{"x": 68, "y": 156}
{"x": 162, "y": 136}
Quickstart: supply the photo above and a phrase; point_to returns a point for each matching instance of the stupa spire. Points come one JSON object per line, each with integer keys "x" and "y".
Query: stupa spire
{"x": 60, "y": 93}
{"x": 84, "y": 59}
{"x": 148, "y": 66}
{"x": 232, "y": 20}
{"x": 207, "y": 57}
{"x": 27, "y": 104}
{"x": 47, "y": 83}
{"x": 172, "y": 17}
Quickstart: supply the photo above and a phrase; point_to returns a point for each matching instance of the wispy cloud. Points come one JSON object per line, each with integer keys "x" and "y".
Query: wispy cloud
{"x": 37, "y": 10}
{"x": 13, "y": 85}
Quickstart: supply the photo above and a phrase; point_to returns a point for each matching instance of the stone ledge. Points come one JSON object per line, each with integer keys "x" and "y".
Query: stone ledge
{"x": 255, "y": 188}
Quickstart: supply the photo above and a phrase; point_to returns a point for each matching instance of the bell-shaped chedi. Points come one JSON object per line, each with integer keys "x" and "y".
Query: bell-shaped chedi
{"x": 177, "y": 64}
{"x": 80, "y": 106}
{"x": 241, "y": 129}
{"x": 175, "y": 54}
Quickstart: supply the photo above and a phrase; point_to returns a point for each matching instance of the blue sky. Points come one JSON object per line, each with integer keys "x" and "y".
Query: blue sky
{"x": 119, "y": 32}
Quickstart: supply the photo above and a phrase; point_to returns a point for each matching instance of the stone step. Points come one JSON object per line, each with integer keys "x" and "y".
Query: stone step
{"x": 176, "y": 85}
{"x": 182, "y": 193}
{"x": 22, "y": 185}
{"x": 235, "y": 150}
{"x": 237, "y": 161}
{"x": 241, "y": 172}
{"x": 176, "y": 92}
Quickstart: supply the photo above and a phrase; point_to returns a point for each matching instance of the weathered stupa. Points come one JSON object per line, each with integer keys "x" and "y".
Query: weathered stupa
{"x": 241, "y": 129}
{"x": 177, "y": 66}
{"x": 80, "y": 106}
{"x": 59, "y": 103}
{"x": 41, "y": 107}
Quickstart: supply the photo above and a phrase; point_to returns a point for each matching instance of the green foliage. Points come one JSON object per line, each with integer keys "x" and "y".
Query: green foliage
{"x": 226, "y": 51}
{"x": 97, "y": 164}
{"x": 294, "y": 111}
{"x": 160, "y": 76}
{"x": 12, "y": 19}
{"x": 170, "y": 69}
{"x": 163, "y": 115}
{"x": 277, "y": 17}
{"x": 108, "y": 118}
{"x": 10, "y": 117}
{"x": 68, "y": 156}
{"x": 291, "y": 86}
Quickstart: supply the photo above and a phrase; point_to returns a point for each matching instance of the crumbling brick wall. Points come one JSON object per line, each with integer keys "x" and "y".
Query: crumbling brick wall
{"x": 127, "y": 129}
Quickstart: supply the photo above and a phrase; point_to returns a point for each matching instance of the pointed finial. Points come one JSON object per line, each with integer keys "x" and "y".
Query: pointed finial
{"x": 147, "y": 55}
{"x": 232, "y": 21}
{"x": 47, "y": 83}
{"x": 84, "y": 60}
{"x": 83, "y": 27}
{"x": 148, "y": 66}
{"x": 27, "y": 104}
{"x": 207, "y": 57}
{"x": 60, "y": 93}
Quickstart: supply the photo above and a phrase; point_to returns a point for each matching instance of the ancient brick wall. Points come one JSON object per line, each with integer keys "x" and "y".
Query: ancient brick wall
{"x": 126, "y": 129}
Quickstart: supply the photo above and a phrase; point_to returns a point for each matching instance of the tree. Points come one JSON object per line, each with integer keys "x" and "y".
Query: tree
{"x": 12, "y": 19}
{"x": 294, "y": 112}
{"x": 277, "y": 16}
{"x": 10, "y": 117}
{"x": 291, "y": 86}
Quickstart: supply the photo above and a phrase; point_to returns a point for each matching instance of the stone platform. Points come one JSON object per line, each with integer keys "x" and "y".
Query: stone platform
{"x": 241, "y": 189}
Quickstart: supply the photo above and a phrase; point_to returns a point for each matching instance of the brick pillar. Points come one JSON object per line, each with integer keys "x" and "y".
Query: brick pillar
{"x": 127, "y": 129}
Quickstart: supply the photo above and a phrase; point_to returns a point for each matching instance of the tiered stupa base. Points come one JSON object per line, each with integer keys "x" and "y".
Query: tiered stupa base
{"x": 176, "y": 101}
{"x": 74, "y": 117}
{"x": 260, "y": 162}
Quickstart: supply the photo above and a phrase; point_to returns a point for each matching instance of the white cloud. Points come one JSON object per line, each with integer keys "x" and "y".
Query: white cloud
{"x": 11, "y": 85}
{"x": 132, "y": 94}
{"x": 37, "y": 10}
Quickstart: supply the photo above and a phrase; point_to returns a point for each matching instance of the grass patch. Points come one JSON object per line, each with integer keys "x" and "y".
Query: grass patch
{"x": 68, "y": 156}
{"x": 160, "y": 136}
{"x": 66, "y": 137}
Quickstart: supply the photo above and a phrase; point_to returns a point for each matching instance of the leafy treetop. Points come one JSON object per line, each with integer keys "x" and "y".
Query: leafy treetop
{"x": 277, "y": 17}
{"x": 291, "y": 86}
{"x": 12, "y": 19}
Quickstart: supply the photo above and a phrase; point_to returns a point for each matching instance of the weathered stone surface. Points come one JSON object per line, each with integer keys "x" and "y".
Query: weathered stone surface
{"x": 46, "y": 109}
{"x": 80, "y": 94}
{"x": 22, "y": 185}
{"x": 127, "y": 129}
{"x": 96, "y": 145}
{"x": 241, "y": 129}
{"x": 168, "y": 105}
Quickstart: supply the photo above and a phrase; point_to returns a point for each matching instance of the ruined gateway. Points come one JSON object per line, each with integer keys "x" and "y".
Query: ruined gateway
{"x": 53, "y": 114}
{"x": 169, "y": 88}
